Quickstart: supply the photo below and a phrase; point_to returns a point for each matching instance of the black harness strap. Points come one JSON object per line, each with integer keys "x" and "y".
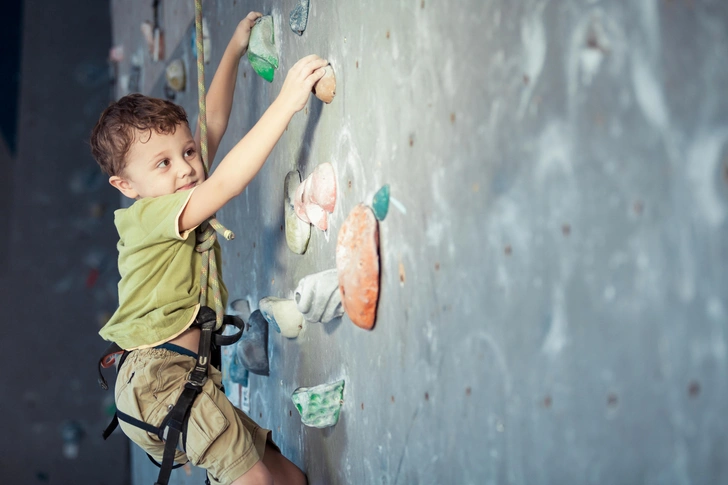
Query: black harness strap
{"x": 174, "y": 425}
{"x": 107, "y": 360}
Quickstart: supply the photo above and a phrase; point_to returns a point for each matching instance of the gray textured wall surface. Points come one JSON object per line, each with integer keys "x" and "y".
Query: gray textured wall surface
{"x": 553, "y": 290}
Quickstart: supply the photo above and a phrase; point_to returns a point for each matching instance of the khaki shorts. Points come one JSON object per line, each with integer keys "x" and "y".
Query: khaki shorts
{"x": 220, "y": 438}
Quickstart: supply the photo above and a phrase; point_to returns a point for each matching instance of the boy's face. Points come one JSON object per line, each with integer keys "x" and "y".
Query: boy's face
{"x": 161, "y": 165}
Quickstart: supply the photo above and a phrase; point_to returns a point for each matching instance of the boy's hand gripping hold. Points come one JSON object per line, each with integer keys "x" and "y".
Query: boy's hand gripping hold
{"x": 241, "y": 37}
{"x": 300, "y": 80}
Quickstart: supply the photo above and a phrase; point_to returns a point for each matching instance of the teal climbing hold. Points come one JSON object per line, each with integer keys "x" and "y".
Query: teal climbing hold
{"x": 319, "y": 406}
{"x": 380, "y": 203}
{"x": 298, "y": 18}
{"x": 262, "y": 49}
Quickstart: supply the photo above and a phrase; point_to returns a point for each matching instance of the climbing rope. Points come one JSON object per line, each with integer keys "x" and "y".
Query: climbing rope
{"x": 206, "y": 234}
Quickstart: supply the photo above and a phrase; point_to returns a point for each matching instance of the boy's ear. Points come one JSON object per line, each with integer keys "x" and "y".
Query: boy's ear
{"x": 123, "y": 186}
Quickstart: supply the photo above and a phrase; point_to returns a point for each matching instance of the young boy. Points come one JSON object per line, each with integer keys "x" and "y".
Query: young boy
{"x": 146, "y": 147}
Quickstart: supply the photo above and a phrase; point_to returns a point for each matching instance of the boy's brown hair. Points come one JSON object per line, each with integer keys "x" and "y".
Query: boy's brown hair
{"x": 117, "y": 127}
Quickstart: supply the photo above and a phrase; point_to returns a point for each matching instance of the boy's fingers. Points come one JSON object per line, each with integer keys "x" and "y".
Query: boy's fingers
{"x": 316, "y": 75}
{"x": 303, "y": 62}
{"x": 314, "y": 62}
{"x": 302, "y": 65}
{"x": 310, "y": 58}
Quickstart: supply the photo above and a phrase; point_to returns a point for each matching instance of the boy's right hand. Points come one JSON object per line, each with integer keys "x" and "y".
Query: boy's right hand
{"x": 299, "y": 82}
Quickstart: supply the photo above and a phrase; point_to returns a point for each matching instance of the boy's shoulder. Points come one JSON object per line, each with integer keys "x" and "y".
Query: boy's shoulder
{"x": 151, "y": 205}
{"x": 151, "y": 214}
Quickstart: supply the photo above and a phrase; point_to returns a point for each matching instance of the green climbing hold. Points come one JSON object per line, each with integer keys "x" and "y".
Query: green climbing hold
{"x": 262, "y": 49}
{"x": 380, "y": 203}
{"x": 320, "y": 405}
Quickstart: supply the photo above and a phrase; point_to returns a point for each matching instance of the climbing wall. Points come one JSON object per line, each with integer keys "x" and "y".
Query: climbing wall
{"x": 552, "y": 303}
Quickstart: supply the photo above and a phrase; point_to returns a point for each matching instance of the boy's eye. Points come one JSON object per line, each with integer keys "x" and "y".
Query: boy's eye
{"x": 163, "y": 163}
{"x": 190, "y": 152}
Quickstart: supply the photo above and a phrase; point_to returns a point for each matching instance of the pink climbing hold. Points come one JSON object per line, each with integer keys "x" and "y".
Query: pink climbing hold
{"x": 315, "y": 198}
{"x": 357, "y": 262}
{"x": 323, "y": 186}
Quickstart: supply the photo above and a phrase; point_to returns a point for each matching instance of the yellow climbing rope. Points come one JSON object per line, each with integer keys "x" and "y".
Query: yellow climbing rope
{"x": 206, "y": 237}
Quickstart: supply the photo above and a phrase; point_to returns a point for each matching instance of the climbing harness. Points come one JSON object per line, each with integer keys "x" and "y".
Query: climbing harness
{"x": 174, "y": 425}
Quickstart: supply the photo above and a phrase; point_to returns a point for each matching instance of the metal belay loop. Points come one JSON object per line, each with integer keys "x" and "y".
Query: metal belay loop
{"x": 209, "y": 277}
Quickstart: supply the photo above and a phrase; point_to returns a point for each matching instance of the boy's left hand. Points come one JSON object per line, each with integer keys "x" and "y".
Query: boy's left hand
{"x": 242, "y": 32}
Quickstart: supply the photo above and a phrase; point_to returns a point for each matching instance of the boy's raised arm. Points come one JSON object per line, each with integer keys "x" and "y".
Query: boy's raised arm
{"x": 238, "y": 168}
{"x": 219, "y": 99}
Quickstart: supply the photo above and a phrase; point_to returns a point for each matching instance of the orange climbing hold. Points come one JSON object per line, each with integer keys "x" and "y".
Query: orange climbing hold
{"x": 357, "y": 261}
{"x": 325, "y": 88}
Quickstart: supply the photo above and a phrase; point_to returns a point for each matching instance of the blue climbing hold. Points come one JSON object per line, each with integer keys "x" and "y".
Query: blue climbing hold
{"x": 299, "y": 17}
{"x": 252, "y": 349}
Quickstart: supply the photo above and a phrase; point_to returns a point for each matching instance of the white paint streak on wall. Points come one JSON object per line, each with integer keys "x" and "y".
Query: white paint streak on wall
{"x": 398, "y": 205}
{"x": 382, "y": 149}
{"x": 430, "y": 332}
{"x": 556, "y": 338}
{"x": 278, "y": 38}
{"x": 704, "y": 158}
{"x": 395, "y": 46}
{"x": 554, "y": 152}
{"x": 715, "y": 309}
{"x": 590, "y": 60}
{"x": 650, "y": 25}
{"x": 508, "y": 226}
{"x": 449, "y": 83}
{"x": 439, "y": 224}
{"x": 648, "y": 91}
{"x": 349, "y": 160}
{"x": 596, "y": 45}
{"x": 533, "y": 36}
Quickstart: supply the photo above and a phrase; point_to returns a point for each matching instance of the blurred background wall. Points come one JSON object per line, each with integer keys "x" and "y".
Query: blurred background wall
{"x": 57, "y": 248}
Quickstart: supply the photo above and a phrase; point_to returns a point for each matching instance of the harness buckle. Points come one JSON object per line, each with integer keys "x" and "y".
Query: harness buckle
{"x": 196, "y": 379}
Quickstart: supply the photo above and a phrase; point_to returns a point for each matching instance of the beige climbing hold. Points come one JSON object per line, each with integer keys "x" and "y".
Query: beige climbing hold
{"x": 325, "y": 88}
{"x": 175, "y": 74}
{"x": 154, "y": 39}
{"x": 283, "y": 315}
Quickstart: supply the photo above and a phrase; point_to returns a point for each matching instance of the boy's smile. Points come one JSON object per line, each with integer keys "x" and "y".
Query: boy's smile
{"x": 159, "y": 164}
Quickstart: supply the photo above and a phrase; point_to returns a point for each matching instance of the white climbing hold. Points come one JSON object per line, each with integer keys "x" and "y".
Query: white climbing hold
{"x": 318, "y": 297}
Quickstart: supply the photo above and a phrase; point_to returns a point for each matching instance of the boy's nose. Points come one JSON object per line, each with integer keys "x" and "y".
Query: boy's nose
{"x": 184, "y": 168}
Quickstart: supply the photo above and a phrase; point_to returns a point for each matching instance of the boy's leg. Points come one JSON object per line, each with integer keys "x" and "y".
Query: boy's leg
{"x": 281, "y": 468}
{"x": 274, "y": 469}
{"x": 257, "y": 475}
